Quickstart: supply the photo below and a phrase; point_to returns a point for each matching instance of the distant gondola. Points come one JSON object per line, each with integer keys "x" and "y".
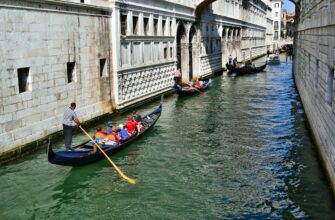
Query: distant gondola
{"x": 273, "y": 59}
{"x": 82, "y": 154}
{"x": 187, "y": 89}
{"x": 245, "y": 69}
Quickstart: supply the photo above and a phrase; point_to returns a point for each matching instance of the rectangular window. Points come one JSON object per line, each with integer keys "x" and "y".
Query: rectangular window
{"x": 165, "y": 53}
{"x": 170, "y": 28}
{"x": 125, "y": 49}
{"x": 147, "y": 55}
{"x": 275, "y": 37}
{"x": 70, "y": 71}
{"x": 82, "y": 1}
{"x": 317, "y": 73}
{"x": 155, "y": 26}
{"x": 103, "y": 67}
{"x": 23, "y": 75}
{"x": 135, "y": 25}
{"x": 171, "y": 52}
{"x": 123, "y": 24}
{"x": 163, "y": 30}
{"x": 211, "y": 46}
{"x": 157, "y": 52}
{"x": 136, "y": 53}
{"x": 146, "y": 25}
{"x": 275, "y": 25}
{"x": 309, "y": 63}
{"x": 330, "y": 81}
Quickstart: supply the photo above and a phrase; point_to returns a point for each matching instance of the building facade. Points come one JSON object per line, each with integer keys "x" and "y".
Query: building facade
{"x": 314, "y": 63}
{"x": 277, "y": 15}
{"x": 269, "y": 26}
{"x": 107, "y": 55}
{"x": 289, "y": 24}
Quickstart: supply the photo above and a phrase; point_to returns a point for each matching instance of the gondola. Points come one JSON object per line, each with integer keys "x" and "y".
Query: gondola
{"x": 82, "y": 154}
{"x": 273, "y": 59}
{"x": 187, "y": 89}
{"x": 245, "y": 69}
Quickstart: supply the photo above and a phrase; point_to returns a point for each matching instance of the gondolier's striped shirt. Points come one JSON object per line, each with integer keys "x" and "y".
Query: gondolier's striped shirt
{"x": 69, "y": 116}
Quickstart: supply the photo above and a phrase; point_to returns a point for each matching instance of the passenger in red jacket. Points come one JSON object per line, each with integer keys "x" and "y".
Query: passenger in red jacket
{"x": 131, "y": 125}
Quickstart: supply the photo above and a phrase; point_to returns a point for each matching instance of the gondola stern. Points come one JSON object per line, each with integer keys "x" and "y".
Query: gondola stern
{"x": 50, "y": 152}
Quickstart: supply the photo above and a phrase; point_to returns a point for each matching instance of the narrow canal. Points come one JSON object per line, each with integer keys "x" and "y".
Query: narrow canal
{"x": 243, "y": 152}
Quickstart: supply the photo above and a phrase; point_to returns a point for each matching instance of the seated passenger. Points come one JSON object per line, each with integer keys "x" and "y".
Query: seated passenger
{"x": 109, "y": 127}
{"x": 131, "y": 125}
{"x": 248, "y": 64}
{"x": 99, "y": 133}
{"x": 123, "y": 132}
{"x": 177, "y": 86}
{"x": 137, "y": 117}
{"x": 113, "y": 136}
{"x": 199, "y": 84}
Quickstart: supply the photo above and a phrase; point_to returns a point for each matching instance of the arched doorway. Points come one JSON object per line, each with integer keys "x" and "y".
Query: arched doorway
{"x": 181, "y": 48}
{"x": 193, "y": 55}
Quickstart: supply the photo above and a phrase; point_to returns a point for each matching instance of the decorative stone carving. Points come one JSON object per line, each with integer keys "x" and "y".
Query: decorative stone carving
{"x": 138, "y": 83}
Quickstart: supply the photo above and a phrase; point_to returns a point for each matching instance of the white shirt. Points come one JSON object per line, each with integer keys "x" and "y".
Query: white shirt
{"x": 69, "y": 116}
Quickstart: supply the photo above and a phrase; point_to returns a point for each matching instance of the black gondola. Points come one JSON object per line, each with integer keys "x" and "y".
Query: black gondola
{"x": 245, "y": 69}
{"x": 187, "y": 90}
{"x": 82, "y": 154}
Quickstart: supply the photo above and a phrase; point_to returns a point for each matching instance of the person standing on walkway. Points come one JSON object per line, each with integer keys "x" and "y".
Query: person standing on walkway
{"x": 177, "y": 76}
{"x": 230, "y": 60}
{"x": 69, "y": 117}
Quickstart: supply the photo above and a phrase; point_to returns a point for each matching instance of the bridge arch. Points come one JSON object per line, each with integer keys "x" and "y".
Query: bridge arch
{"x": 181, "y": 50}
{"x": 201, "y": 6}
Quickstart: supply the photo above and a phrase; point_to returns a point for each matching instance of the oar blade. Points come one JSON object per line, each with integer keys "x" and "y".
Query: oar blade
{"x": 132, "y": 181}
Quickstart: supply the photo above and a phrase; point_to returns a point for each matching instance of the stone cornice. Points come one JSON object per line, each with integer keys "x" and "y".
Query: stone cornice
{"x": 57, "y": 6}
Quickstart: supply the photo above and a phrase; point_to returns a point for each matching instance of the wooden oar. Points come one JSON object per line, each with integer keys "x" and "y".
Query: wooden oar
{"x": 131, "y": 181}
{"x": 202, "y": 93}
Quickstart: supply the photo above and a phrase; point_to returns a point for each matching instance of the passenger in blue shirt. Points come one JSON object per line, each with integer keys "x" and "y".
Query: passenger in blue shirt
{"x": 123, "y": 132}
{"x": 109, "y": 128}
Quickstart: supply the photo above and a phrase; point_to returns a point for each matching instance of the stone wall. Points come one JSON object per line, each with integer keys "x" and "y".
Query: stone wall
{"x": 314, "y": 60}
{"x": 37, "y": 41}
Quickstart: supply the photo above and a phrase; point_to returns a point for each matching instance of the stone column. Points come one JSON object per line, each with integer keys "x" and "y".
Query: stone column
{"x": 140, "y": 24}
{"x": 129, "y": 23}
{"x": 185, "y": 60}
{"x": 115, "y": 27}
{"x": 167, "y": 27}
{"x": 160, "y": 26}
{"x": 151, "y": 30}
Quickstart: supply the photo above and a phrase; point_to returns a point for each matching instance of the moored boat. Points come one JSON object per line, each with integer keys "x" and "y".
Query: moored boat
{"x": 246, "y": 69}
{"x": 188, "y": 89}
{"x": 82, "y": 154}
{"x": 273, "y": 59}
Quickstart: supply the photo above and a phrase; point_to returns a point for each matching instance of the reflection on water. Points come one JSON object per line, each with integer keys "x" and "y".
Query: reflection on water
{"x": 241, "y": 152}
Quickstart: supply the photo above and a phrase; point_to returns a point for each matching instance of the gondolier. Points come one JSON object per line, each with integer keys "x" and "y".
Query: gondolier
{"x": 69, "y": 117}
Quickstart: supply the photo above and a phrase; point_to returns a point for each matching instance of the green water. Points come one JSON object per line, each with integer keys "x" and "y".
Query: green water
{"x": 243, "y": 152}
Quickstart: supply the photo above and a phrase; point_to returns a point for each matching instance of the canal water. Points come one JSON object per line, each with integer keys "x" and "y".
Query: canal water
{"x": 241, "y": 152}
